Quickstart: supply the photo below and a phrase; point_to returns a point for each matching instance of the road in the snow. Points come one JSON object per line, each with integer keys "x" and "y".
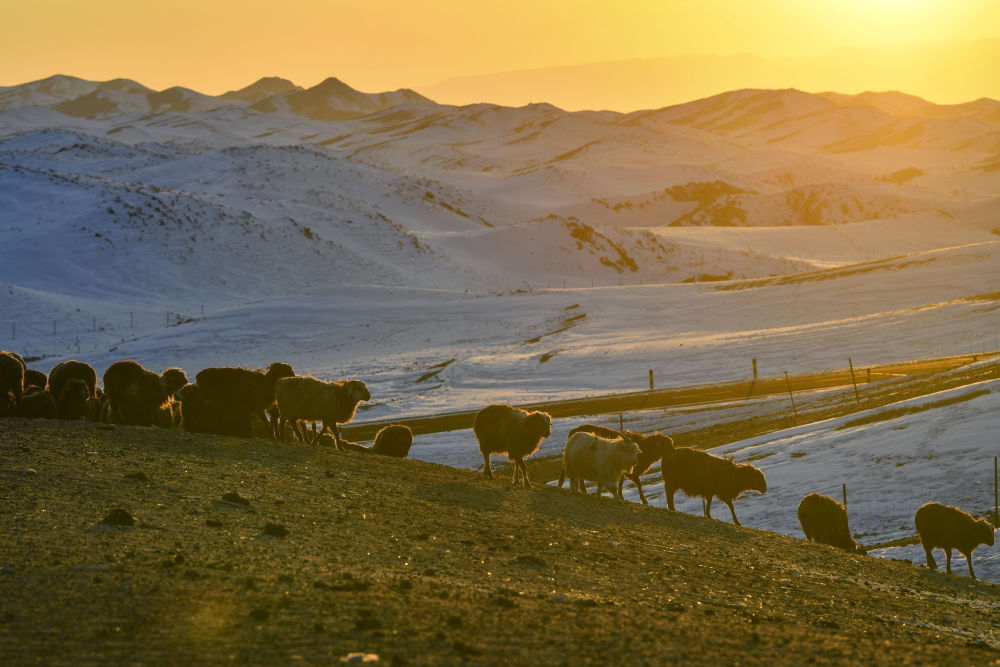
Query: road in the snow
{"x": 682, "y": 396}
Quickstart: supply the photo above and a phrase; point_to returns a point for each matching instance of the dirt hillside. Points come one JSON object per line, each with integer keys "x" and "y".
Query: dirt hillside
{"x": 245, "y": 551}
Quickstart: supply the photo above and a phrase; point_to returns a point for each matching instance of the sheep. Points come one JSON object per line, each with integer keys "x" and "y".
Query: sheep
{"x": 311, "y": 399}
{"x": 11, "y": 382}
{"x": 393, "y": 440}
{"x": 201, "y": 414}
{"x": 589, "y": 456}
{"x": 699, "y": 473}
{"x": 654, "y": 447}
{"x": 65, "y": 370}
{"x": 33, "y": 378}
{"x": 135, "y": 395}
{"x": 950, "y": 528}
{"x": 243, "y": 392}
{"x": 72, "y": 400}
{"x": 824, "y": 520}
{"x": 36, "y": 403}
{"x": 501, "y": 429}
{"x": 95, "y": 406}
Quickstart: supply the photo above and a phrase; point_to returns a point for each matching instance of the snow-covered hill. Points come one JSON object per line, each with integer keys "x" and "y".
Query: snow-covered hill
{"x": 530, "y": 250}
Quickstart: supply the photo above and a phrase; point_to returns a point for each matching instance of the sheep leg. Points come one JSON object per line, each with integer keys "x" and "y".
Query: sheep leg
{"x": 670, "y": 497}
{"x": 706, "y": 504}
{"x": 638, "y": 485}
{"x": 487, "y": 470}
{"x": 273, "y": 421}
{"x": 968, "y": 558}
{"x": 947, "y": 553}
{"x": 931, "y": 563}
{"x": 562, "y": 478}
{"x": 733, "y": 512}
{"x": 315, "y": 438}
{"x": 337, "y": 436}
{"x": 524, "y": 472}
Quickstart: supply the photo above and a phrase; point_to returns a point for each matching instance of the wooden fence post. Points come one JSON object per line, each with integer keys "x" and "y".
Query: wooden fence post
{"x": 789, "y": 383}
{"x": 754, "y": 369}
{"x": 853, "y": 380}
{"x": 651, "y": 379}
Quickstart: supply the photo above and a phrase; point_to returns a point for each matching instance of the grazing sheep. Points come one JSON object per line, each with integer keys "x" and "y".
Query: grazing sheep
{"x": 501, "y": 429}
{"x": 11, "y": 383}
{"x": 589, "y": 456}
{"x": 654, "y": 447}
{"x": 824, "y": 520}
{"x": 135, "y": 395}
{"x": 243, "y": 392}
{"x": 95, "y": 406}
{"x": 311, "y": 399}
{"x": 72, "y": 400}
{"x": 33, "y": 378}
{"x": 950, "y": 528}
{"x": 699, "y": 473}
{"x": 393, "y": 440}
{"x": 201, "y": 414}
{"x": 65, "y": 370}
{"x": 36, "y": 403}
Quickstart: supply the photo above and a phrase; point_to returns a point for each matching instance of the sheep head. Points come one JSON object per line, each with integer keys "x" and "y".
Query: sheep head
{"x": 751, "y": 478}
{"x": 173, "y": 379}
{"x": 357, "y": 390}
{"x": 628, "y": 450}
{"x": 539, "y": 424}
{"x": 662, "y": 445}
{"x": 984, "y": 532}
{"x": 278, "y": 370}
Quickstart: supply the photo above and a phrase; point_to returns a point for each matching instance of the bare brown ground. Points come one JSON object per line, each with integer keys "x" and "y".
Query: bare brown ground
{"x": 423, "y": 564}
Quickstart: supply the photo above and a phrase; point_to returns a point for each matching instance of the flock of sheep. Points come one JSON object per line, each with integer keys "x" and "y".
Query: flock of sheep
{"x": 242, "y": 402}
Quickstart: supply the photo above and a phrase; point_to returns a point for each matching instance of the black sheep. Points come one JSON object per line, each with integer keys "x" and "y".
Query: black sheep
{"x": 11, "y": 383}
{"x": 393, "y": 440}
{"x": 699, "y": 473}
{"x": 502, "y": 429}
{"x": 135, "y": 395}
{"x": 824, "y": 520}
{"x": 950, "y": 528}
{"x": 241, "y": 392}
{"x": 65, "y": 370}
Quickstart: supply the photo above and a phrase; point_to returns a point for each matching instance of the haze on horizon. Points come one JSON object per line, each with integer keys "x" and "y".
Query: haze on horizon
{"x": 519, "y": 51}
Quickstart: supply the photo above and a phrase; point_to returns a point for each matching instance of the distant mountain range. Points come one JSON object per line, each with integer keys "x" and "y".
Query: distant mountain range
{"x": 946, "y": 72}
{"x": 330, "y": 100}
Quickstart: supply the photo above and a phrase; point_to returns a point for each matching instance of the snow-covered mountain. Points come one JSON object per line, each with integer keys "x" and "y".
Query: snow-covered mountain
{"x": 262, "y": 88}
{"x": 335, "y": 100}
{"x": 181, "y": 228}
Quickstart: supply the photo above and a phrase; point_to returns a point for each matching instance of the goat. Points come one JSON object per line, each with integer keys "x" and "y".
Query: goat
{"x": 653, "y": 447}
{"x": 589, "y": 456}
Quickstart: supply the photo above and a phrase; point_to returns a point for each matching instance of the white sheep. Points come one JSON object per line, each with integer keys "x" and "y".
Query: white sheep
{"x": 589, "y": 456}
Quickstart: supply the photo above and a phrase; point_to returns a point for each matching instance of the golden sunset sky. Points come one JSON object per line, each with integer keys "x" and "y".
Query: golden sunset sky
{"x": 217, "y": 45}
